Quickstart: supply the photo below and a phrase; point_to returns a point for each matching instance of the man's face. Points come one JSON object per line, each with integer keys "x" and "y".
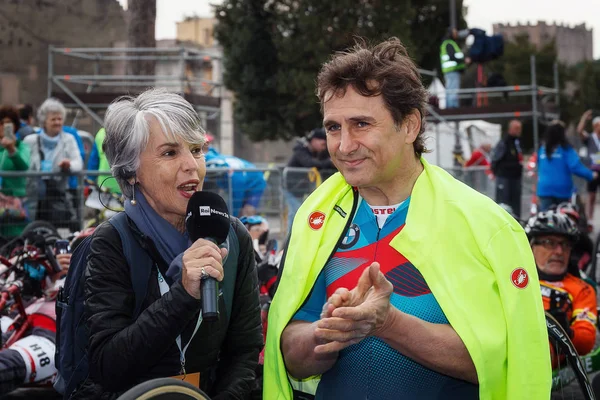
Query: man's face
{"x": 515, "y": 128}
{"x": 552, "y": 253}
{"x": 318, "y": 145}
{"x": 364, "y": 143}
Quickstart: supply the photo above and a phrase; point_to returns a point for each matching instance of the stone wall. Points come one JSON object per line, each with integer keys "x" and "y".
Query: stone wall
{"x": 573, "y": 44}
{"x": 29, "y": 27}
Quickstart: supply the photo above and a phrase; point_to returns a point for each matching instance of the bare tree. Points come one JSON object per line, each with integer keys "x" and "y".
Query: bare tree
{"x": 141, "y": 33}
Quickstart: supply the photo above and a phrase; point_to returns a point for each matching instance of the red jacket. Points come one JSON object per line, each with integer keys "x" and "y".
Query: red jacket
{"x": 478, "y": 159}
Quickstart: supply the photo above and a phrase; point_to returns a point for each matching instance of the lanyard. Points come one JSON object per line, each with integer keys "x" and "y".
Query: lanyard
{"x": 164, "y": 288}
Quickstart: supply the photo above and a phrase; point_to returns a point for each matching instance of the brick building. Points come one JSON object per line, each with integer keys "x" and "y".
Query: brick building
{"x": 29, "y": 27}
{"x": 573, "y": 44}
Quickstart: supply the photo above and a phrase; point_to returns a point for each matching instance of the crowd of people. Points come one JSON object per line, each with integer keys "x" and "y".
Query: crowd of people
{"x": 362, "y": 306}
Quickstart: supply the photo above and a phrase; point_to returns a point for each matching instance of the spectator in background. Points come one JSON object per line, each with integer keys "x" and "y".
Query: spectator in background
{"x": 98, "y": 161}
{"x": 479, "y": 179}
{"x": 453, "y": 63}
{"x": 506, "y": 165}
{"x": 52, "y": 150}
{"x": 247, "y": 187}
{"x": 14, "y": 156}
{"x": 558, "y": 161}
{"x": 481, "y": 157}
{"x": 592, "y": 144}
{"x": 309, "y": 152}
{"x": 26, "y": 121}
{"x": 73, "y": 179}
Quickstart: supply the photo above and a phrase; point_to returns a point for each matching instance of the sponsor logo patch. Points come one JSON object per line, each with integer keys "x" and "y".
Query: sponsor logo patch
{"x": 351, "y": 237}
{"x": 316, "y": 220}
{"x": 519, "y": 278}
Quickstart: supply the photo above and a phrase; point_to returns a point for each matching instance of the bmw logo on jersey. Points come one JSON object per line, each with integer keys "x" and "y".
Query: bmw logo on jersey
{"x": 351, "y": 237}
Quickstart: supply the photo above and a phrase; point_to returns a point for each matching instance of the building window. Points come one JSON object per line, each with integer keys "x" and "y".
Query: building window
{"x": 207, "y": 36}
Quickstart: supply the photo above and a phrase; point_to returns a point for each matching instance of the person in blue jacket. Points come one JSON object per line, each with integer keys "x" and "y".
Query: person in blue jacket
{"x": 558, "y": 161}
{"x": 247, "y": 186}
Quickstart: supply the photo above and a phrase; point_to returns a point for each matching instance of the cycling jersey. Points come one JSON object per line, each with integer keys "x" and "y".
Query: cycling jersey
{"x": 358, "y": 372}
{"x": 482, "y": 275}
{"x": 580, "y": 309}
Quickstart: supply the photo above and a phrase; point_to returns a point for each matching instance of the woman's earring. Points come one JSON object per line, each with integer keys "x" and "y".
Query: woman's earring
{"x": 133, "y": 201}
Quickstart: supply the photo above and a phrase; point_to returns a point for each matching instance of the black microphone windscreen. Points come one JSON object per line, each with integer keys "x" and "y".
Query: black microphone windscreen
{"x": 207, "y": 217}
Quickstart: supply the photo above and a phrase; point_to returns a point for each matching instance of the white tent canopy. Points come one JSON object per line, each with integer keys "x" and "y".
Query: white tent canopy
{"x": 441, "y": 139}
{"x": 437, "y": 89}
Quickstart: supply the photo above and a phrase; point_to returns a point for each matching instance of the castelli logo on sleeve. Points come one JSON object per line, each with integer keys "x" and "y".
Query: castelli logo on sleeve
{"x": 316, "y": 220}
{"x": 519, "y": 278}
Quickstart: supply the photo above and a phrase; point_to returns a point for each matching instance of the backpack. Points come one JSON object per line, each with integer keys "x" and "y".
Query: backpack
{"x": 72, "y": 334}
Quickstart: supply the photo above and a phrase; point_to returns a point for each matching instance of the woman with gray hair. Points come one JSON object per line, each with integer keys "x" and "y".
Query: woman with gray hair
{"x": 154, "y": 146}
{"x": 53, "y": 150}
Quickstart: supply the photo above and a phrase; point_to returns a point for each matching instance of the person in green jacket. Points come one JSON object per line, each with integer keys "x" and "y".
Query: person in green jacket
{"x": 400, "y": 282}
{"x": 14, "y": 156}
{"x": 107, "y": 181}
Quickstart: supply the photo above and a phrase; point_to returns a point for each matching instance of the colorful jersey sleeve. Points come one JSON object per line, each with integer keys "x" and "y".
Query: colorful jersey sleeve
{"x": 583, "y": 320}
{"x": 311, "y": 310}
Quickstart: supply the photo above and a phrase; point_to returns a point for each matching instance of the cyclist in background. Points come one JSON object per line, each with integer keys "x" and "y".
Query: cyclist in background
{"x": 583, "y": 248}
{"x": 566, "y": 296}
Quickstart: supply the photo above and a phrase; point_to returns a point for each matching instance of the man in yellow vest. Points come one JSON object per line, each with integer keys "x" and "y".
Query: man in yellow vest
{"x": 453, "y": 63}
{"x": 400, "y": 282}
{"x": 106, "y": 181}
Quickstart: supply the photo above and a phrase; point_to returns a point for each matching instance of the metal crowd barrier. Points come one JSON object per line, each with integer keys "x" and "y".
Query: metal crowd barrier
{"x": 279, "y": 198}
{"x": 67, "y": 209}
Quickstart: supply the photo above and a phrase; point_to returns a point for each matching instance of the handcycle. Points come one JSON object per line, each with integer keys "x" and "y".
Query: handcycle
{"x": 164, "y": 389}
{"x": 26, "y": 306}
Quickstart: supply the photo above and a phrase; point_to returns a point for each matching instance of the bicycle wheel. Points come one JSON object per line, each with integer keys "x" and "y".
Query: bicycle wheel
{"x": 44, "y": 228}
{"x": 164, "y": 389}
{"x": 570, "y": 381}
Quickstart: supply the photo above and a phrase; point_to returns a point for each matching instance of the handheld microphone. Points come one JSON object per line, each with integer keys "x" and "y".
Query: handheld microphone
{"x": 208, "y": 218}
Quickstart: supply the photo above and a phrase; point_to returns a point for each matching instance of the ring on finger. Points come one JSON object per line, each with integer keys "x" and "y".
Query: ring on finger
{"x": 203, "y": 273}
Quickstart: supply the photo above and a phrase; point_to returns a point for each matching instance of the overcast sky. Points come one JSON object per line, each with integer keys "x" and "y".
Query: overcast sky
{"x": 481, "y": 13}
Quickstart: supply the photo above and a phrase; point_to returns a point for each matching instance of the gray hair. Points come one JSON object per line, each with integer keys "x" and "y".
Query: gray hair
{"x": 127, "y": 129}
{"x": 50, "y": 106}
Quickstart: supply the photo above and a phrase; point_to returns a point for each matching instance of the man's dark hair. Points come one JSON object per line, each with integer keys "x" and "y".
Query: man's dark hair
{"x": 386, "y": 70}
{"x": 11, "y": 113}
{"x": 25, "y": 112}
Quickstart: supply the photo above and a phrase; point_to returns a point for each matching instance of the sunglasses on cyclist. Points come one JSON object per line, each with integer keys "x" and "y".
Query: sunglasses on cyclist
{"x": 551, "y": 244}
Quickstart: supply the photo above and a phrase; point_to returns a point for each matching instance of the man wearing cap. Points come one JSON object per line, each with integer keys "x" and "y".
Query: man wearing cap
{"x": 592, "y": 144}
{"x": 311, "y": 151}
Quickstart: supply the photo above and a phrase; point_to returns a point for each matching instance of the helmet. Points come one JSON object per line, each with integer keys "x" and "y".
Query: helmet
{"x": 551, "y": 223}
{"x": 252, "y": 220}
{"x": 508, "y": 209}
{"x": 569, "y": 210}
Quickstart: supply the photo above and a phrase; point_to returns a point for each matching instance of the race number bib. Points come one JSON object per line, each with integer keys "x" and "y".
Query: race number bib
{"x": 38, "y": 353}
{"x": 595, "y": 158}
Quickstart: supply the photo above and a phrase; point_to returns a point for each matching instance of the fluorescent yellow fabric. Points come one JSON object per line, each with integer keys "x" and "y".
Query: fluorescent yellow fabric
{"x": 466, "y": 248}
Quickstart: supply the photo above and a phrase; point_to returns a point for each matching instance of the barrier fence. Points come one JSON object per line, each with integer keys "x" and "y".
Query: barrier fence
{"x": 74, "y": 202}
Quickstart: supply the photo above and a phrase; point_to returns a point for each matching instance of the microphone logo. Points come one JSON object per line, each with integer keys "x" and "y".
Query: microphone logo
{"x": 205, "y": 211}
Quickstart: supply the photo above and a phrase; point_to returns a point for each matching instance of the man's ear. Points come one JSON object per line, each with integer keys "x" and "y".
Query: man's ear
{"x": 413, "y": 126}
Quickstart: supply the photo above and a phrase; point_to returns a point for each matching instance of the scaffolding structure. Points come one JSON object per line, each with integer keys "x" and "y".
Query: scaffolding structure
{"x": 89, "y": 91}
{"x": 543, "y": 105}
